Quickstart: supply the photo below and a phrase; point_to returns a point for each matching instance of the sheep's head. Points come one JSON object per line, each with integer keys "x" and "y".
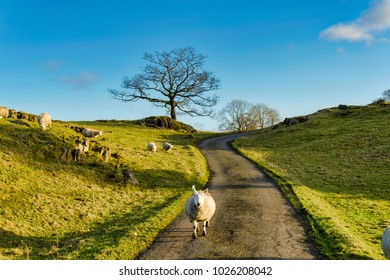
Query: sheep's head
{"x": 43, "y": 125}
{"x": 199, "y": 197}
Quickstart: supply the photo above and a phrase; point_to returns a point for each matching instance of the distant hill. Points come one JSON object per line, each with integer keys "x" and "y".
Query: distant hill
{"x": 334, "y": 166}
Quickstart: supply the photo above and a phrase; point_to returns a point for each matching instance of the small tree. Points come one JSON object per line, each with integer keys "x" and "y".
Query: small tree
{"x": 273, "y": 117}
{"x": 240, "y": 115}
{"x": 264, "y": 116}
{"x": 386, "y": 95}
{"x": 236, "y": 116}
{"x": 259, "y": 113}
{"x": 173, "y": 80}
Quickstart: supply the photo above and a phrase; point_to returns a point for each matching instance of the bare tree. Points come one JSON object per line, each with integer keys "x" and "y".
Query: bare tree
{"x": 386, "y": 95}
{"x": 240, "y": 115}
{"x": 273, "y": 117}
{"x": 236, "y": 116}
{"x": 259, "y": 113}
{"x": 173, "y": 80}
{"x": 264, "y": 116}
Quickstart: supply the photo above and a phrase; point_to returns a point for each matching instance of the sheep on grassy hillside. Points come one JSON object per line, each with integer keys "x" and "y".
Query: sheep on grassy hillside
{"x": 386, "y": 243}
{"x": 200, "y": 207}
{"x": 4, "y": 112}
{"x": 152, "y": 147}
{"x": 87, "y": 132}
{"x": 44, "y": 120}
{"x": 166, "y": 146}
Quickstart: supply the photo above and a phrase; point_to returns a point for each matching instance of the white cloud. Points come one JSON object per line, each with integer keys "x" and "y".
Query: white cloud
{"x": 349, "y": 32}
{"x": 83, "y": 81}
{"x": 365, "y": 28}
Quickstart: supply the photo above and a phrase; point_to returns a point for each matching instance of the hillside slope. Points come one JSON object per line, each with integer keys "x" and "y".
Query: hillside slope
{"x": 87, "y": 210}
{"x": 334, "y": 165}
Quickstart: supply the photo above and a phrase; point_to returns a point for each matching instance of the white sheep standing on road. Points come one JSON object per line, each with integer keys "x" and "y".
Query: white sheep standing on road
{"x": 44, "y": 120}
{"x": 386, "y": 243}
{"x": 91, "y": 133}
{"x": 166, "y": 146}
{"x": 152, "y": 147}
{"x": 200, "y": 207}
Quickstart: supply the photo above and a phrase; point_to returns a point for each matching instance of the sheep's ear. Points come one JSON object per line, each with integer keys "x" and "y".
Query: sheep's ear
{"x": 193, "y": 189}
{"x": 206, "y": 190}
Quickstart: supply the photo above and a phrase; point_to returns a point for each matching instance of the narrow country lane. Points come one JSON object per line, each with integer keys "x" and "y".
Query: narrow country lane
{"x": 253, "y": 219}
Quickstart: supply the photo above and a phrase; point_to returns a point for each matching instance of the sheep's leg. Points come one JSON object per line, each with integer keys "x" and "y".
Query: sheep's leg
{"x": 194, "y": 233}
{"x": 204, "y": 228}
{"x": 207, "y": 223}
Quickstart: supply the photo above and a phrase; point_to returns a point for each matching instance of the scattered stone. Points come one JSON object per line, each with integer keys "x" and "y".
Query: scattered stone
{"x": 343, "y": 107}
{"x": 128, "y": 177}
{"x": 27, "y": 116}
{"x": 66, "y": 154}
{"x": 12, "y": 114}
{"x": 76, "y": 155}
{"x": 295, "y": 120}
{"x": 167, "y": 122}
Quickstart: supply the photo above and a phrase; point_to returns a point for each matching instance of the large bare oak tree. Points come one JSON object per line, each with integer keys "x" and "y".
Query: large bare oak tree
{"x": 174, "y": 80}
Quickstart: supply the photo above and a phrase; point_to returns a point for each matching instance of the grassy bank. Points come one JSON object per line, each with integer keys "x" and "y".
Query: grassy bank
{"x": 84, "y": 210}
{"x": 335, "y": 168}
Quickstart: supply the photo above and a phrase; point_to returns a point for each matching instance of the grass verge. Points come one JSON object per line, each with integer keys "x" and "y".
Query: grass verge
{"x": 334, "y": 168}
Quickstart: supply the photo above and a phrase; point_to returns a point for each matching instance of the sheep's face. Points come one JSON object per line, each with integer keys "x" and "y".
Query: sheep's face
{"x": 199, "y": 198}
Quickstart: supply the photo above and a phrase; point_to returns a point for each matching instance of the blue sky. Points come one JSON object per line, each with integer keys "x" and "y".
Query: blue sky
{"x": 295, "y": 56}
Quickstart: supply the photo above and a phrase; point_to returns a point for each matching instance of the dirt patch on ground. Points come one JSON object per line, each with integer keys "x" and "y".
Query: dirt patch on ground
{"x": 253, "y": 219}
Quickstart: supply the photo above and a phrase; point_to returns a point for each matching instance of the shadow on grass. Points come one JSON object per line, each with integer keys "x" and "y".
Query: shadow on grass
{"x": 44, "y": 150}
{"x": 109, "y": 233}
{"x": 81, "y": 245}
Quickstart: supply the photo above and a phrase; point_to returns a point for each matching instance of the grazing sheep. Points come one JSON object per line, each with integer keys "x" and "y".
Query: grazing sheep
{"x": 87, "y": 132}
{"x": 4, "y": 112}
{"x": 386, "y": 243}
{"x": 166, "y": 146}
{"x": 200, "y": 207}
{"x": 44, "y": 120}
{"x": 152, "y": 147}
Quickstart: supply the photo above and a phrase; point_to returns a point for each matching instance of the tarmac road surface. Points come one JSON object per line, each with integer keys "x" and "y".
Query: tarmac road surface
{"x": 253, "y": 219}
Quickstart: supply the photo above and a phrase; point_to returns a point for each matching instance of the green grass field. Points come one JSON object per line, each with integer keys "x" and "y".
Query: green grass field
{"x": 335, "y": 168}
{"x": 84, "y": 210}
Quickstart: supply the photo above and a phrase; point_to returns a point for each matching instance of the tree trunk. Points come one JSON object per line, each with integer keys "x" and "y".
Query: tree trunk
{"x": 173, "y": 110}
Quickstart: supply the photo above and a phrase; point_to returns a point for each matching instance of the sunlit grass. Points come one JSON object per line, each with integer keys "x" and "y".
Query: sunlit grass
{"x": 336, "y": 167}
{"x": 84, "y": 210}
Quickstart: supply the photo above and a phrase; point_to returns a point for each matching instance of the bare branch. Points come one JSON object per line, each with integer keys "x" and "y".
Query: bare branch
{"x": 172, "y": 79}
{"x": 242, "y": 116}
